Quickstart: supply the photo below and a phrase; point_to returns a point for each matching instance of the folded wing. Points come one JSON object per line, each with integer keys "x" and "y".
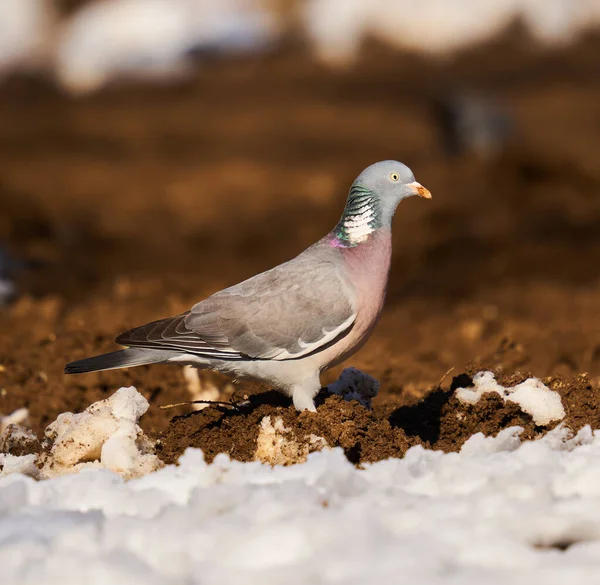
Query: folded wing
{"x": 285, "y": 313}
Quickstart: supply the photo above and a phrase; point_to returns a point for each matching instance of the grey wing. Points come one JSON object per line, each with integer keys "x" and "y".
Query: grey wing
{"x": 284, "y": 313}
{"x": 172, "y": 333}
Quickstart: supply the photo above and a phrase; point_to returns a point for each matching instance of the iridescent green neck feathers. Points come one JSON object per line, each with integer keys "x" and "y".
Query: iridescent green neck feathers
{"x": 361, "y": 217}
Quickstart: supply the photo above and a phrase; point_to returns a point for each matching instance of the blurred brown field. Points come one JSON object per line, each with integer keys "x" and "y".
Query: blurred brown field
{"x": 139, "y": 200}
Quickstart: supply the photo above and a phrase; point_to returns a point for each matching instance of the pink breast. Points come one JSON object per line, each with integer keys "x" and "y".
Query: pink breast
{"x": 368, "y": 266}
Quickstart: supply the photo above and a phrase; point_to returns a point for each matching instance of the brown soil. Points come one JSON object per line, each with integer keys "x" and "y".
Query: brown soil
{"x": 362, "y": 435}
{"x": 139, "y": 201}
{"x": 437, "y": 421}
{"x": 18, "y": 443}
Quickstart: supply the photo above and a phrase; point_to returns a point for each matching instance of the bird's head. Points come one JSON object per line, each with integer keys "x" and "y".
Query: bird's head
{"x": 390, "y": 181}
{"x": 373, "y": 199}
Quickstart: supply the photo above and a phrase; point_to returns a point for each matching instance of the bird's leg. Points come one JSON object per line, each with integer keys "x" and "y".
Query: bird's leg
{"x": 304, "y": 392}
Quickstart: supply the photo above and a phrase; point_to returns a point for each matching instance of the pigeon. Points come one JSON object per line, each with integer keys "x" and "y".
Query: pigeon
{"x": 285, "y": 326}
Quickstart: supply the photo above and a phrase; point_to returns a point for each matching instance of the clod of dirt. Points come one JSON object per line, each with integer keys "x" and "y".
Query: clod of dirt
{"x": 458, "y": 422}
{"x": 270, "y": 431}
{"x": 18, "y": 440}
{"x": 355, "y": 385}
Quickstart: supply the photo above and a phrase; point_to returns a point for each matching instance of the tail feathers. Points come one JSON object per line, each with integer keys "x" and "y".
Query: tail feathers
{"x": 124, "y": 358}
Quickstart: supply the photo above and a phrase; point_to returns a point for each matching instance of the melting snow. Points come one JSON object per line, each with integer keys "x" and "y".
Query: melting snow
{"x": 337, "y": 28}
{"x": 534, "y": 398}
{"x": 105, "y": 435}
{"x": 500, "y": 511}
{"x": 107, "y": 39}
{"x": 25, "y": 36}
{"x": 277, "y": 445}
{"x": 18, "y": 417}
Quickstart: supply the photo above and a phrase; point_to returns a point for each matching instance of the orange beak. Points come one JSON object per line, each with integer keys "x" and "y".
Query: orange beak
{"x": 420, "y": 190}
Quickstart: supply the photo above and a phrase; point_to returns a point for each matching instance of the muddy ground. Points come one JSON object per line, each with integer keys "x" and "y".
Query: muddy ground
{"x": 137, "y": 202}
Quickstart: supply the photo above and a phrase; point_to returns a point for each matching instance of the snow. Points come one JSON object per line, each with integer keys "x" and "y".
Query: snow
{"x": 203, "y": 388}
{"x": 11, "y": 437}
{"x": 337, "y": 28}
{"x": 105, "y": 435}
{"x": 106, "y": 40}
{"x": 25, "y": 33}
{"x": 533, "y": 397}
{"x": 109, "y": 39}
{"x": 276, "y": 444}
{"x": 24, "y": 464}
{"x": 558, "y": 22}
{"x": 17, "y": 417}
{"x": 489, "y": 514}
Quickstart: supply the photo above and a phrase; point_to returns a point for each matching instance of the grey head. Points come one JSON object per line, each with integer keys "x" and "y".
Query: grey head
{"x": 373, "y": 199}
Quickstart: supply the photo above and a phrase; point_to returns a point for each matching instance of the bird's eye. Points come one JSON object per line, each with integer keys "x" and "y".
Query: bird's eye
{"x": 395, "y": 177}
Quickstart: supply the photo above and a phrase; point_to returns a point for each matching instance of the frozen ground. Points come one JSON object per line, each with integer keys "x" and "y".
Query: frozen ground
{"x": 500, "y": 511}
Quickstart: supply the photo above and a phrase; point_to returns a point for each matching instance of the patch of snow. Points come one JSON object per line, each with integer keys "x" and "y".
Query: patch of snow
{"x": 500, "y": 511}
{"x": 17, "y": 437}
{"x": 192, "y": 378}
{"x": 26, "y": 28}
{"x": 24, "y": 464}
{"x": 558, "y": 22}
{"x": 355, "y": 385}
{"x": 109, "y": 39}
{"x": 337, "y": 28}
{"x": 203, "y": 388}
{"x": 276, "y": 445}
{"x": 105, "y": 435}
{"x": 532, "y": 396}
{"x": 18, "y": 417}
{"x": 16, "y": 432}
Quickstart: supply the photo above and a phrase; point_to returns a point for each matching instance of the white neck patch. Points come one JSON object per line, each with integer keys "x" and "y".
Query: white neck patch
{"x": 358, "y": 226}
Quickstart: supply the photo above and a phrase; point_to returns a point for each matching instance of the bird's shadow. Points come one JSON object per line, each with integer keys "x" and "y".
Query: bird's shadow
{"x": 423, "y": 419}
{"x": 270, "y": 398}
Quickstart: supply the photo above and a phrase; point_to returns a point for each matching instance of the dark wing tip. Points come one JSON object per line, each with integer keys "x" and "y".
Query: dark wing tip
{"x": 74, "y": 368}
{"x": 149, "y": 332}
{"x": 122, "y": 337}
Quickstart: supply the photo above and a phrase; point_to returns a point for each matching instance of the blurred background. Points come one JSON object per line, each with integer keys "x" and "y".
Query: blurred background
{"x": 155, "y": 151}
